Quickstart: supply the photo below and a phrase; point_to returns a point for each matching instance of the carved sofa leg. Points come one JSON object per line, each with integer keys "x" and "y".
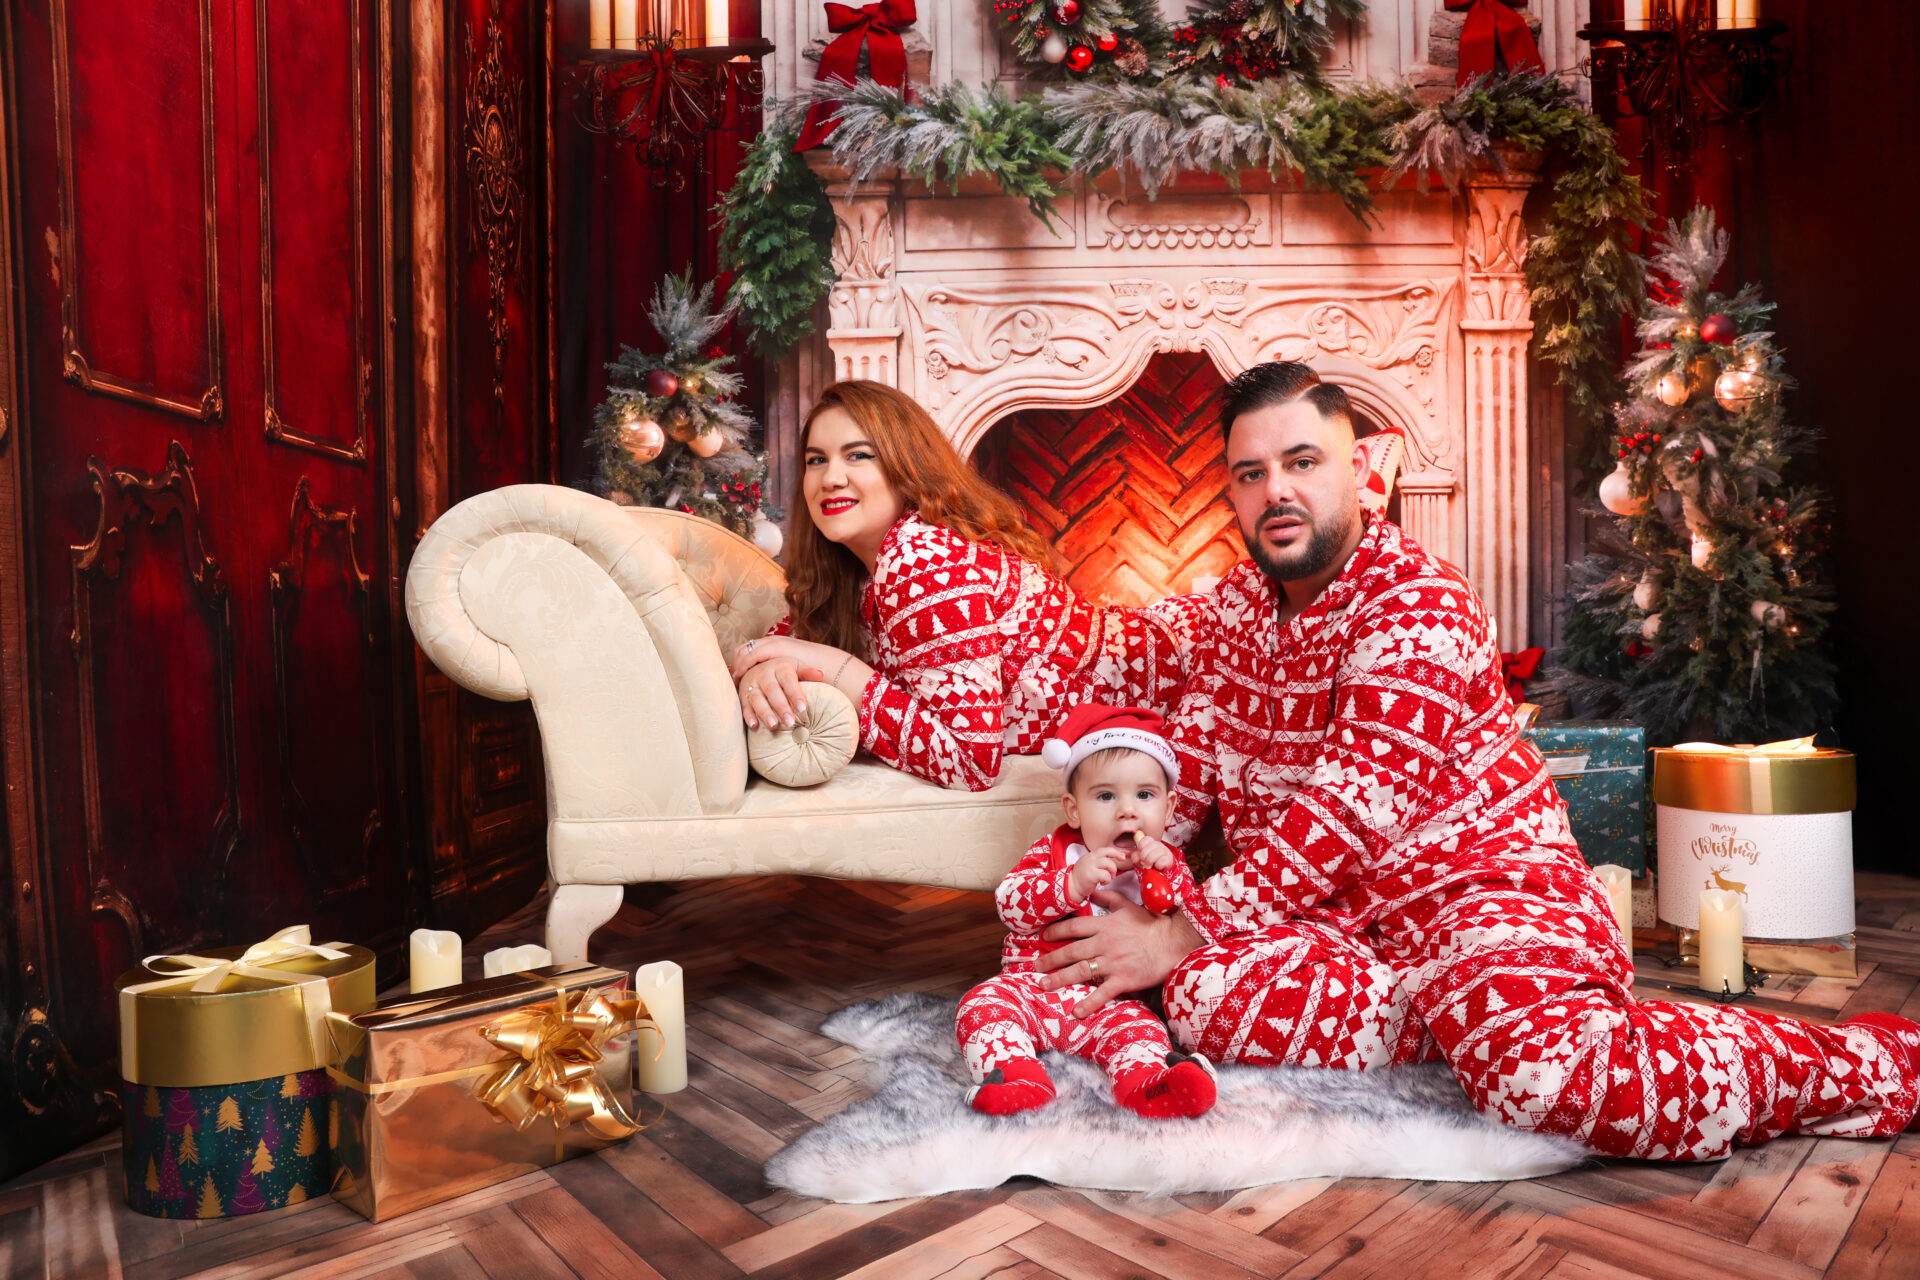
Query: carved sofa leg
{"x": 575, "y": 912}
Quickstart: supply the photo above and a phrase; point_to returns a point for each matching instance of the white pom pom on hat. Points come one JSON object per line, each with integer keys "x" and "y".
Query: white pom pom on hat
{"x": 1056, "y": 752}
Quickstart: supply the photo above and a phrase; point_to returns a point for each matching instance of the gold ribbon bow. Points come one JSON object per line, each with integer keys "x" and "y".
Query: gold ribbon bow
{"x": 260, "y": 961}
{"x": 556, "y": 1049}
{"x": 1784, "y": 747}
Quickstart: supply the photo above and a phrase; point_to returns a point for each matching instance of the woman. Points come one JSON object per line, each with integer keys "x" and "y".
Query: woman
{"x": 916, "y": 589}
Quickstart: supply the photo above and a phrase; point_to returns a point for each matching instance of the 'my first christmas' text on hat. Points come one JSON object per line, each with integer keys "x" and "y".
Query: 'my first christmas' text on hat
{"x": 1092, "y": 727}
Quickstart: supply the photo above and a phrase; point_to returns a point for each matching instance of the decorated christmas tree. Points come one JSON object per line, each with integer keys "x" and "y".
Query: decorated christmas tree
{"x": 1703, "y": 611}
{"x": 669, "y": 434}
{"x": 1124, "y": 37}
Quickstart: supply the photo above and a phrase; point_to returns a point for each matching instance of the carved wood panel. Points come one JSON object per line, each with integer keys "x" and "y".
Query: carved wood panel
{"x": 1130, "y": 494}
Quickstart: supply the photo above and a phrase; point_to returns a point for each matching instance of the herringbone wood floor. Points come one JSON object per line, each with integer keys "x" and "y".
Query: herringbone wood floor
{"x": 767, "y": 959}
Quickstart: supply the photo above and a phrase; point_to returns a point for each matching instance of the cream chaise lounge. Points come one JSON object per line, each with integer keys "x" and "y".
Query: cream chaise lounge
{"x": 613, "y": 622}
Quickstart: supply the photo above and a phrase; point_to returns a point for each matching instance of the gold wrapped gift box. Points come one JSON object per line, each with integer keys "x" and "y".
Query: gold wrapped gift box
{"x": 479, "y": 1083}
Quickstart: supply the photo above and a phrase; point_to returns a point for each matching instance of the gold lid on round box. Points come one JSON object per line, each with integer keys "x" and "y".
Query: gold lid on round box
{"x": 230, "y": 1014}
{"x": 1793, "y": 776}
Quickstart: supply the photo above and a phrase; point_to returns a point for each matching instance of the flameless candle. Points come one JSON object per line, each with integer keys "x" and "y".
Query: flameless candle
{"x": 601, "y": 24}
{"x": 1634, "y": 14}
{"x": 717, "y": 21}
{"x": 662, "y": 1048}
{"x": 514, "y": 960}
{"x": 626, "y": 24}
{"x": 1746, "y": 13}
{"x": 1722, "y": 951}
{"x": 433, "y": 959}
{"x": 1619, "y": 882}
{"x": 1723, "y": 14}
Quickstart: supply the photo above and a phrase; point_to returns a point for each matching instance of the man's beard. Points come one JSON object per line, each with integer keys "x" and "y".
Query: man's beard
{"x": 1324, "y": 544}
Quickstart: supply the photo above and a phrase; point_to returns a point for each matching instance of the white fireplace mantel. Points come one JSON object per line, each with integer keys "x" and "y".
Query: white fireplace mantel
{"x": 974, "y": 307}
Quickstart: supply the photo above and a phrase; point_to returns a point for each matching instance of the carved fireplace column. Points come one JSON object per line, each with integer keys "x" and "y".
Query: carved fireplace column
{"x": 863, "y": 310}
{"x": 1497, "y": 324}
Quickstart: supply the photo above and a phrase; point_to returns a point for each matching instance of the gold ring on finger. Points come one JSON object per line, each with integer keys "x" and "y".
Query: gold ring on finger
{"x": 1093, "y": 968}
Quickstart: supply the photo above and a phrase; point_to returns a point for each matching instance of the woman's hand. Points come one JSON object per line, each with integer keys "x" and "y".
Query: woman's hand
{"x": 768, "y": 672}
{"x": 1128, "y": 949}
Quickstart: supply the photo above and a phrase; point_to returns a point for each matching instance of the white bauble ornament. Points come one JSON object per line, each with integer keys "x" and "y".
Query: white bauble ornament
{"x": 1053, "y": 48}
{"x": 1702, "y": 551}
{"x": 1646, "y": 596}
{"x": 706, "y": 444}
{"x": 1737, "y": 388}
{"x": 1616, "y": 493}
{"x": 1650, "y": 626}
{"x": 767, "y": 535}
{"x": 1769, "y": 615}
{"x": 643, "y": 439}
{"x": 1673, "y": 389}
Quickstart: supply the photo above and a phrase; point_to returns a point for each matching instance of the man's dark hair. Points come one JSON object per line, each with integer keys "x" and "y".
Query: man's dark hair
{"x": 1282, "y": 382}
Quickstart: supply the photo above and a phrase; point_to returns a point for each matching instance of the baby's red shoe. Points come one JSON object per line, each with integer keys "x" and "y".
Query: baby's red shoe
{"x": 1016, "y": 1085}
{"x": 1182, "y": 1089}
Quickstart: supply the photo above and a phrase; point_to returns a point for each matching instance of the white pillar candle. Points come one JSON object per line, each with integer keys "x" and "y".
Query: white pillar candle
{"x": 601, "y": 24}
{"x": 718, "y": 21}
{"x": 626, "y": 24}
{"x": 1634, "y": 14}
{"x": 1746, "y": 13}
{"x": 1723, "y": 13}
{"x": 662, "y": 1048}
{"x": 433, "y": 959}
{"x": 1619, "y": 882}
{"x": 1722, "y": 944}
{"x": 514, "y": 960}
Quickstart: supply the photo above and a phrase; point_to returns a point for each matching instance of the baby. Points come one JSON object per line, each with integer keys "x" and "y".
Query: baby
{"x": 1119, "y": 771}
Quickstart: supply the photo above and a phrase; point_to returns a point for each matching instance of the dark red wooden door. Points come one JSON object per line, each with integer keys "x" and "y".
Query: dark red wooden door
{"x": 206, "y": 254}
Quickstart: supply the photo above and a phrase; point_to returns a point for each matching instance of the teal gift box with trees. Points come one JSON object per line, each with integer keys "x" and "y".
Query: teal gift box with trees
{"x": 1600, "y": 771}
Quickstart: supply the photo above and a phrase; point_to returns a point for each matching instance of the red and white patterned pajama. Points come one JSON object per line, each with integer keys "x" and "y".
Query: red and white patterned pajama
{"x": 1009, "y": 1016}
{"x": 978, "y": 652}
{"x": 1401, "y": 857}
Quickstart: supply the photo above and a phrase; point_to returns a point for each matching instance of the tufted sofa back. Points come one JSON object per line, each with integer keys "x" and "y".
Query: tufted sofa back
{"x": 611, "y": 620}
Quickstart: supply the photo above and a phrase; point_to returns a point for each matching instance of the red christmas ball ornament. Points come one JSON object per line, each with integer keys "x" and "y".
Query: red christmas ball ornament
{"x": 1716, "y": 328}
{"x": 660, "y": 384}
{"x": 1156, "y": 892}
{"x": 1067, "y": 12}
{"x": 1108, "y": 42}
{"x": 1079, "y": 58}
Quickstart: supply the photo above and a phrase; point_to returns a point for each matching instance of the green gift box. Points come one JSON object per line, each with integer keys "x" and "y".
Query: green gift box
{"x": 228, "y": 1105}
{"x": 1600, "y": 770}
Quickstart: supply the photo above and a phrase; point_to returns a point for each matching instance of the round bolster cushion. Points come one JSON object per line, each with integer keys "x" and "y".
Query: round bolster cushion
{"x": 818, "y": 746}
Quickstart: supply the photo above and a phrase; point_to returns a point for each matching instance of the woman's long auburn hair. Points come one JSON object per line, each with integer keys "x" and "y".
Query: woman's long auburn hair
{"x": 824, "y": 579}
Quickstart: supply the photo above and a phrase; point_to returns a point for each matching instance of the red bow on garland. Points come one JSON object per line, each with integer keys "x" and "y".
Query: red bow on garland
{"x": 1492, "y": 25}
{"x": 877, "y": 27}
{"x": 1515, "y": 667}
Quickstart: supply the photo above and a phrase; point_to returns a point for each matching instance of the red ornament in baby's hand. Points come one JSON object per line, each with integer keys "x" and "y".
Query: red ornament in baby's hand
{"x": 1156, "y": 892}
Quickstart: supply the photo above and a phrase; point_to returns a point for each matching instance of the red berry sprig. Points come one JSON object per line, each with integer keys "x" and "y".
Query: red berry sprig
{"x": 1641, "y": 442}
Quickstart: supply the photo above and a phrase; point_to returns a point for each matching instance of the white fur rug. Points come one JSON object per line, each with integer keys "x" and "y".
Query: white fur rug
{"x": 917, "y": 1137}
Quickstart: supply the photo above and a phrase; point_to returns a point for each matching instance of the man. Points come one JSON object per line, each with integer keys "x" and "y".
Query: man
{"x": 1404, "y": 884}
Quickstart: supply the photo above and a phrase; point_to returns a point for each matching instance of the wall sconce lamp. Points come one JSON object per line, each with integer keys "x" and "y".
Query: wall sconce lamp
{"x": 661, "y": 75}
{"x": 1684, "y": 66}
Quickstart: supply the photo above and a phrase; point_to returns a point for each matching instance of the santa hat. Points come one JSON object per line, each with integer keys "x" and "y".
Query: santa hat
{"x": 1092, "y": 727}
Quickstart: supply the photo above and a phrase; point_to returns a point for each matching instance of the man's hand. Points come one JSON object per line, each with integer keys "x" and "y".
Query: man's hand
{"x": 1128, "y": 949}
{"x": 1095, "y": 870}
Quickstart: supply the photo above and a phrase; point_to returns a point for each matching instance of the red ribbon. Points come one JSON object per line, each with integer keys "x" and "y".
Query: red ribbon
{"x": 877, "y": 27}
{"x": 1515, "y": 667}
{"x": 1492, "y": 25}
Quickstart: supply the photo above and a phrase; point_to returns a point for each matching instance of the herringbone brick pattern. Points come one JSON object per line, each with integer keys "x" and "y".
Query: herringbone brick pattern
{"x": 767, "y": 959}
{"x": 1130, "y": 494}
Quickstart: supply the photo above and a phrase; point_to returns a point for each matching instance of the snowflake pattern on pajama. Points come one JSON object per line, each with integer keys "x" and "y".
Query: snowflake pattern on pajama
{"x": 978, "y": 653}
{"x": 1009, "y": 1016}
{"x": 1404, "y": 885}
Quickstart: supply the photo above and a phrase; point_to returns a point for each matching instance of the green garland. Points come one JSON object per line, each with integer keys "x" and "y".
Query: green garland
{"x": 1581, "y": 268}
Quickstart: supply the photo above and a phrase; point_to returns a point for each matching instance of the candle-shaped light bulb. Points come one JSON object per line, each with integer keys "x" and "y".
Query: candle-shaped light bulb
{"x": 1722, "y": 950}
{"x": 661, "y": 1050}
{"x": 1619, "y": 883}
{"x": 433, "y": 959}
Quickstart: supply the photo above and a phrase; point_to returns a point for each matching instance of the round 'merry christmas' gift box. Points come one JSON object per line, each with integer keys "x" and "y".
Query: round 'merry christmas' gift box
{"x": 1772, "y": 824}
{"x": 227, "y": 1101}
